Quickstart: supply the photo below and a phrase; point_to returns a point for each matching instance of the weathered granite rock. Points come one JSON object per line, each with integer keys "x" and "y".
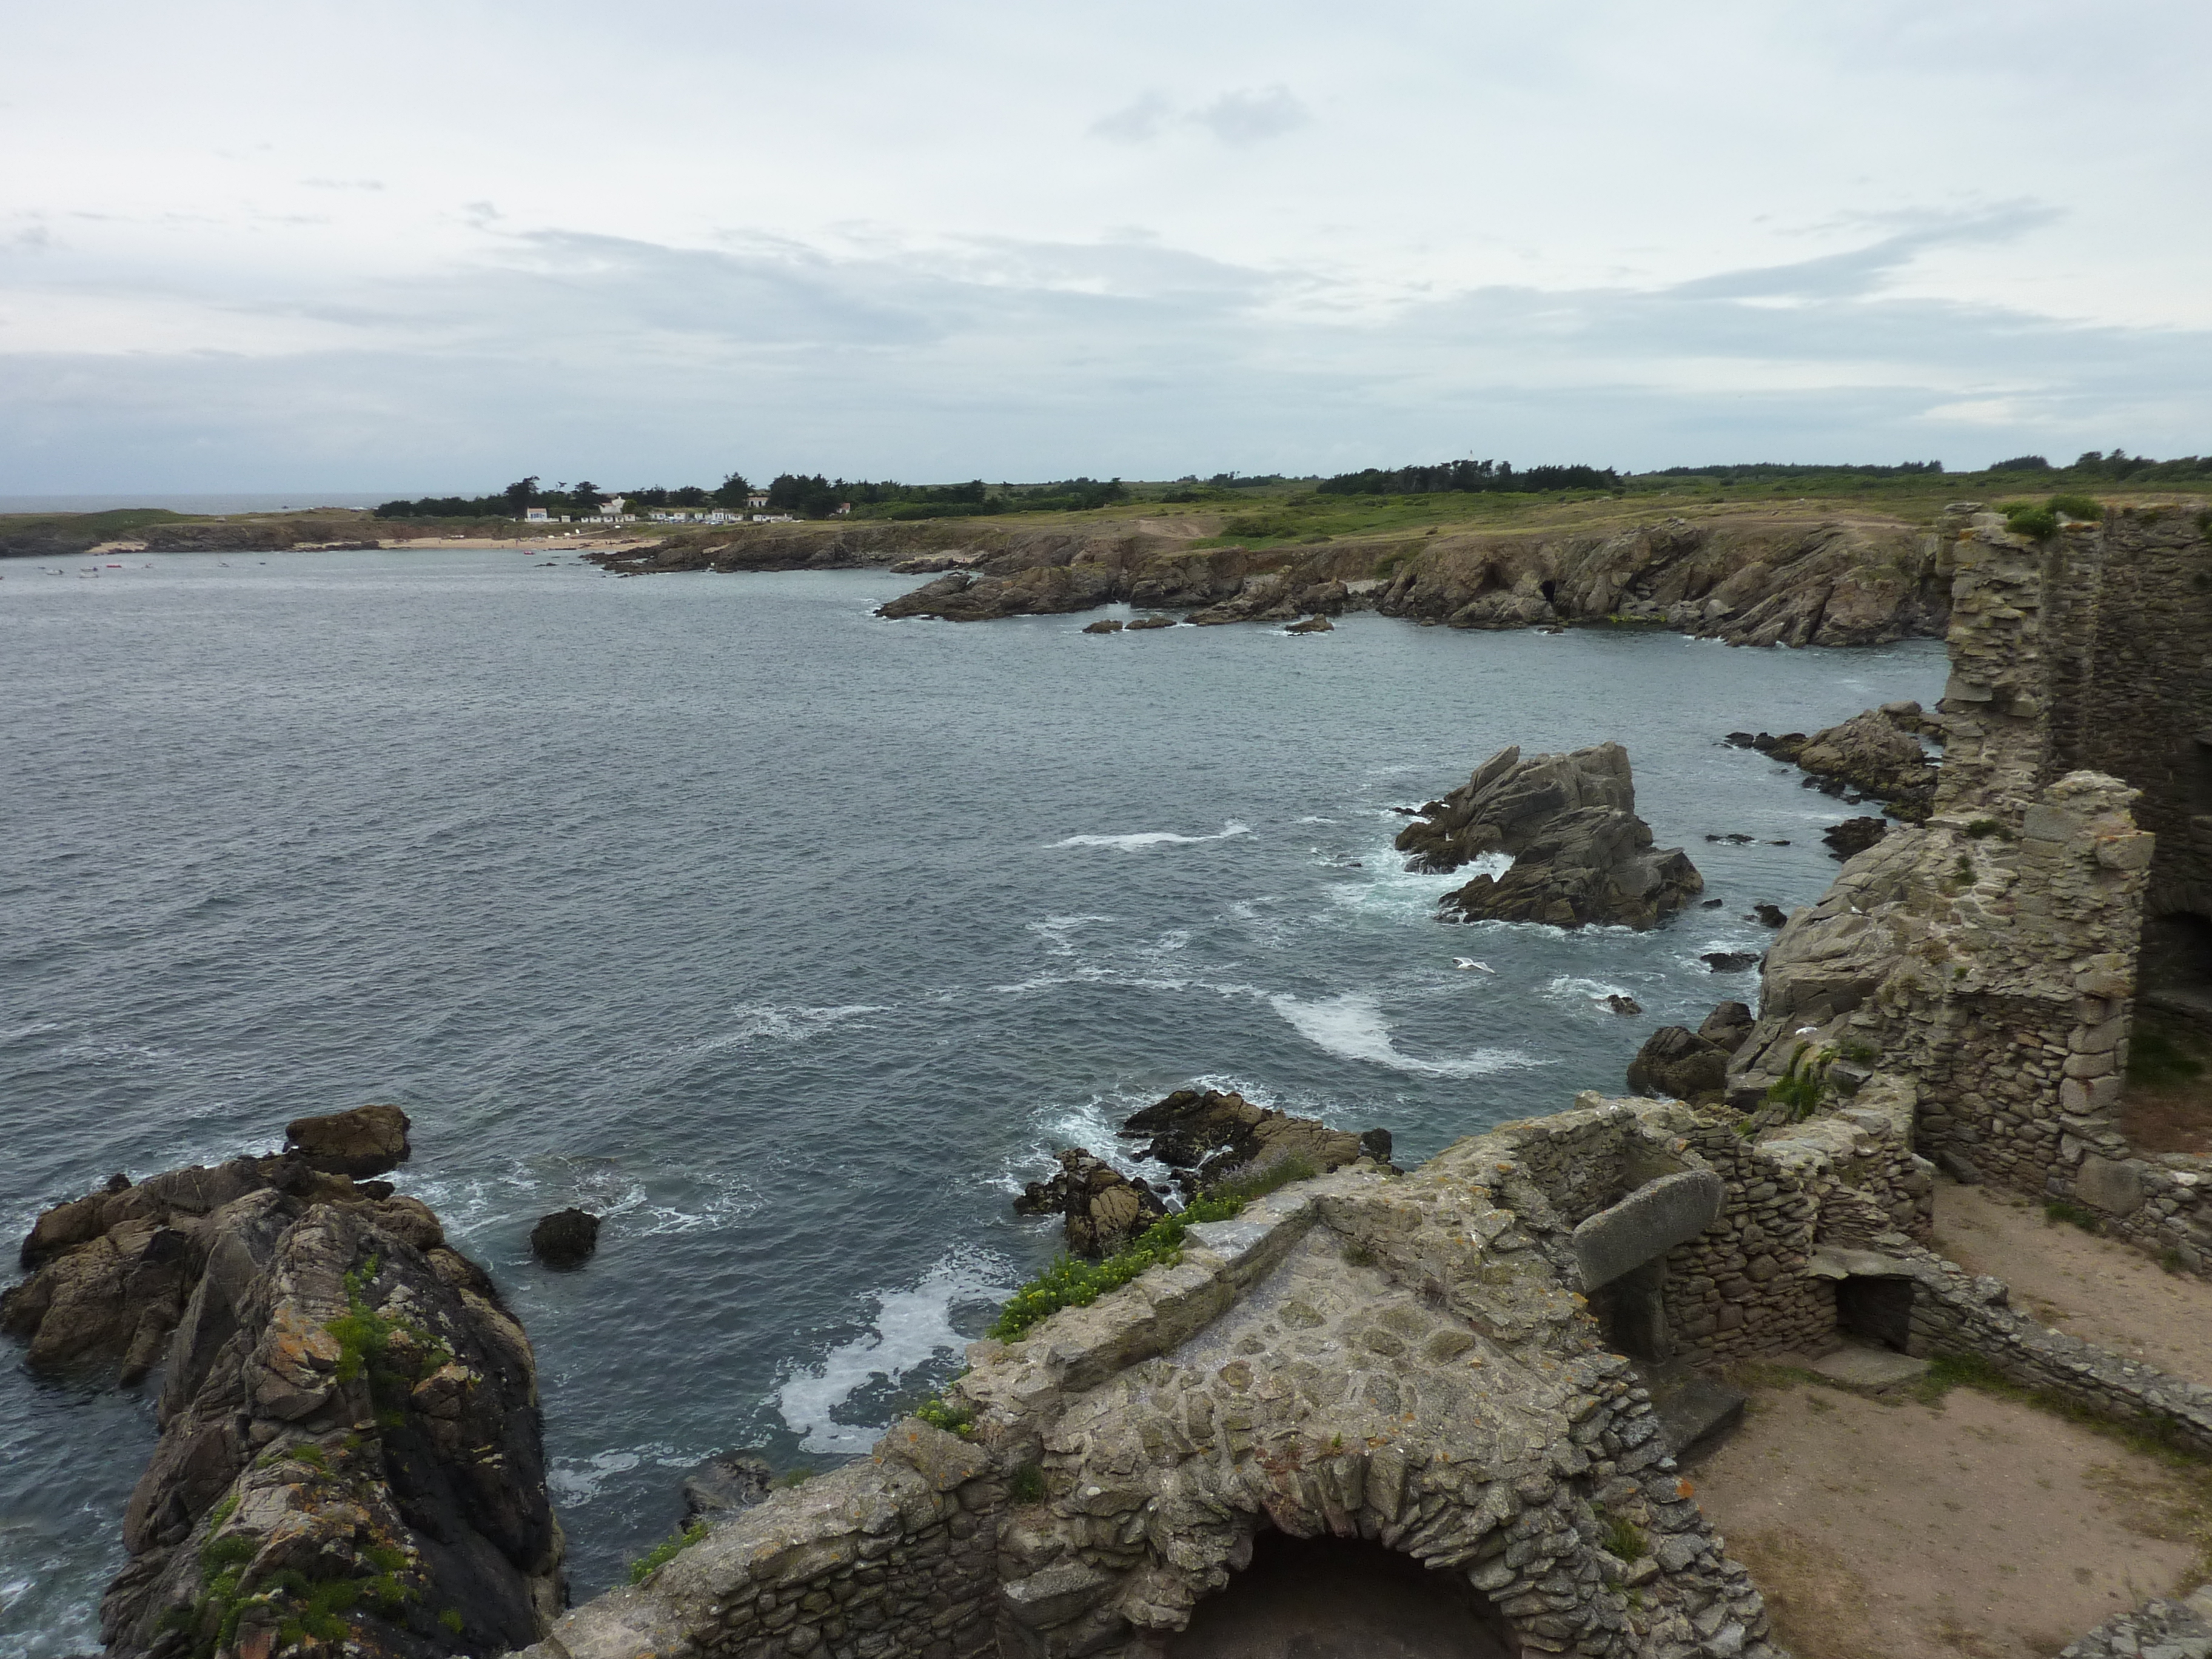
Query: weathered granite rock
{"x": 566, "y": 1238}
{"x": 1103, "y": 625}
{"x": 340, "y": 1403}
{"x": 344, "y": 1400}
{"x": 1317, "y": 623}
{"x": 1509, "y": 800}
{"x": 1678, "y": 1063}
{"x": 1729, "y": 962}
{"x": 1207, "y": 1136}
{"x": 1104, "y": 1208}
{"x": 1728, "y": 1025}
{"x": 110, "y": 1274}
{"x": 366, "y": 1141}
{"x": 1853, "y": 836}
{"x": 1142, "y": 624}
{"x": 1580, "y": 853}
{"x": 1871, "y": 752}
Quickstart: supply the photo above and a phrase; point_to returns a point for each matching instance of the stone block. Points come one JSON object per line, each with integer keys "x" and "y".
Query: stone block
{"x": 1646, "y": 1224}
{"x": 1055, "y": 1596}
{"x": 2110, "y": 1184}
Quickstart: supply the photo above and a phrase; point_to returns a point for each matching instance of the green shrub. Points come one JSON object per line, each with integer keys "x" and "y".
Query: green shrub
{"x": 1070, "y": 1282}
{"x": 664, "y": 1552}
{"x": 791, "y": 1477}
{"x": 1798, "y": 1089}
{"x": 1982, "y": 828}
{"x": 2078, "y": 507}
{"x": 1027, "y": 1486}
{"x": 2036, "y": 523}
{"x": 1624, "y": 1539}
{"x": 2074, "y": 1215}
{"x": 940, "y": 1414}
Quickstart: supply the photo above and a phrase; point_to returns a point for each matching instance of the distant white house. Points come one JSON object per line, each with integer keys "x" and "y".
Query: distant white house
{"x": 533, "y": 515}
{"x": 844, "y": 509}
{"x": 756, "y": 501}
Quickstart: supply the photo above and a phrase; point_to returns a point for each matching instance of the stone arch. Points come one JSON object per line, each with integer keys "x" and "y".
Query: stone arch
{"x": 1334, "y": 1592}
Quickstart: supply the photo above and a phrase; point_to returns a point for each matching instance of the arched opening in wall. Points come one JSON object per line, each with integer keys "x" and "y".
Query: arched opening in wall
{"x": 1343, "y": 1598}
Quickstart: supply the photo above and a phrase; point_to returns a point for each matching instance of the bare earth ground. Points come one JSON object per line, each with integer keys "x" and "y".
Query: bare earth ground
{"x": 2096, "y": 1289}
{"x": 1979, "y": 1525}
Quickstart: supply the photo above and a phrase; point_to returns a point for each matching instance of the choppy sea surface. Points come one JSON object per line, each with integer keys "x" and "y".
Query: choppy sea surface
{"x": 789, "y": 940}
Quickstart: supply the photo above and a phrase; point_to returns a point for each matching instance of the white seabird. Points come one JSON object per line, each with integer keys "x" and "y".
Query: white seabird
{"x": 1469, "y": 961}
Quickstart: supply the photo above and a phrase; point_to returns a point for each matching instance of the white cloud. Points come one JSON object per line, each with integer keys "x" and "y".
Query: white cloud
{"x": 864, "y": 238}
{"x": 1252, "y": 117}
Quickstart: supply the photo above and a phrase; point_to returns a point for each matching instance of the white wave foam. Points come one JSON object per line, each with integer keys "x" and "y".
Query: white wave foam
{"x": 1568, "y": 988}
{"x": 1154, "y": 838}
{"x": 1313, "y": 820}
{"x": 1054, "y": 932}
{"x": 911, "y": 1329}
{"x": 578, "y": 1481}
{"x": 773, "y": 1022}
{"x": 1353, "y": 1026}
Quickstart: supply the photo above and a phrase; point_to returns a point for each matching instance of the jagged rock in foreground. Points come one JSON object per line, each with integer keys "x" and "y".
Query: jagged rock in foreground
{"x": 1104, "y": 1208}
{"x": 1580, "y": 853}
{"x": 350, "y": 1456}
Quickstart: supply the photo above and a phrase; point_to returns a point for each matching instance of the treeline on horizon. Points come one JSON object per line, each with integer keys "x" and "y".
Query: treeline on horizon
{"x": 815, "y": 496}
{"x": 797, "y": 493}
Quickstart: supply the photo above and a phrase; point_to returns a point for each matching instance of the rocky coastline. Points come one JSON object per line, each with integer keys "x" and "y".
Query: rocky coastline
{"x": 1821, "y": 581}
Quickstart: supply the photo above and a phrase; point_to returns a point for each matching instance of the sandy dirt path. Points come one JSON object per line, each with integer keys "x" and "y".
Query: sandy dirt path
{"x": 1978, "y": 1527}
{"x": 2094, "y": 1288}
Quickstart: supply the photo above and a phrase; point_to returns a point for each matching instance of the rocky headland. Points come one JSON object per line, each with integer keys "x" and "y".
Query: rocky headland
{"x": 350, "y": 1457}
{"x": 1581, "y": 856}
{"x": 1751, "y": 580}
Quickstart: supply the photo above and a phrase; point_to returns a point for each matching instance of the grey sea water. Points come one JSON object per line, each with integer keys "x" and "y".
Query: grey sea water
{"x": 789, "y": 939}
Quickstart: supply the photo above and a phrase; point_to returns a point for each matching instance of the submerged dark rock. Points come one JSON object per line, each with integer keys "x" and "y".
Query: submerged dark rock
{"x": 566, "y": 1238}
{"x": 1771, "y": 915}
{"x": 1729, "y": 962}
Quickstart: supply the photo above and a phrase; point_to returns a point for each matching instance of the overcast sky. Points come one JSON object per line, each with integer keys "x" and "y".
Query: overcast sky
{"x": 432, "y": 245}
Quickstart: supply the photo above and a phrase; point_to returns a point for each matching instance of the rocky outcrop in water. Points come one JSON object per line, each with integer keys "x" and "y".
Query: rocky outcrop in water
{"x": 1679, "y": 1064}
{"x": 368, "y": 1141}
{"x": 566, "y": 1238}
{"x": 1875, "y": 753}
{"x": 350, "y": 1456}
{"x": 1104, "y": 1208}
{"x": 1211, "y": 1135}
{"x": 1204, "y": 1138}
{"x": 1581, "y": 856}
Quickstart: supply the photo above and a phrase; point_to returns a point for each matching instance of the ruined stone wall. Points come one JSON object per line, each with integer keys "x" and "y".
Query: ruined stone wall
{"x": 2131, "y": 690}
{"x": 894, "y": 1555}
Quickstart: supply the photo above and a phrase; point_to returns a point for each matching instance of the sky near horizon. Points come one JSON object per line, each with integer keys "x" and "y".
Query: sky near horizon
{"x": 430, "y": 247}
